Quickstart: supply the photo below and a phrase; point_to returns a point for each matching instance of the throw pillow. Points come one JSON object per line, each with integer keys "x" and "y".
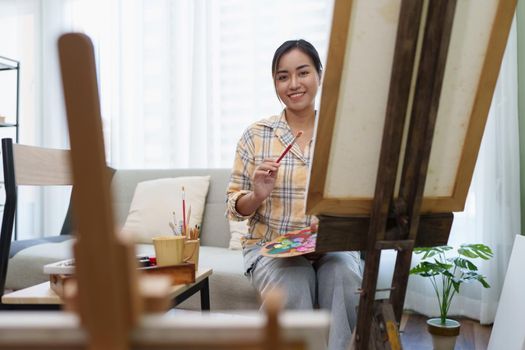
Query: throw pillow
{"x": 156, "y": 203}
{"x": 238, "y": 229}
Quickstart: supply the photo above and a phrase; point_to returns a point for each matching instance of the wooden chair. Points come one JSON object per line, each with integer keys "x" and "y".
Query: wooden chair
{"x": 29, "y": 166}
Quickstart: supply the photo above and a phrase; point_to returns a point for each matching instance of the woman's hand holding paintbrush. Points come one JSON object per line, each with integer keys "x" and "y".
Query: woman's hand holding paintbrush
{"x": 266, "y": 173}
{"x": 263, "y": 181}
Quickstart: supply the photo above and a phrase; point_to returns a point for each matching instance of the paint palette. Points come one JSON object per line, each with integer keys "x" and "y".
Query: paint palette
{"x": 291, "y": 244}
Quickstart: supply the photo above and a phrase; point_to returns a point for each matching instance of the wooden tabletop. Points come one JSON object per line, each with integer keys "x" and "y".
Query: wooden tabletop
{"x": 43, "y": 294}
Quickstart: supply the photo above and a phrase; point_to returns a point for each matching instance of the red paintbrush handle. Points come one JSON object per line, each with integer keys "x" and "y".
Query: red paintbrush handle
{"x": 287, "y": 149}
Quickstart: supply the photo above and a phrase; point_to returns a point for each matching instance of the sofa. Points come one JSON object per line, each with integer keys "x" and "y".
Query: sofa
{"x": 229, "y": 288}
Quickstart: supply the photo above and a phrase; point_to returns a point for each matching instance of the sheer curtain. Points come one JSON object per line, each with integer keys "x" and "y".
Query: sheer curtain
{"x": 180, "y": 80}
{"x": 492, "y": 211}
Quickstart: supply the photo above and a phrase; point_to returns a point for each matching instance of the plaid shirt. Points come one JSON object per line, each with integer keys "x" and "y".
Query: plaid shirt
{"x": 284, "y": 209}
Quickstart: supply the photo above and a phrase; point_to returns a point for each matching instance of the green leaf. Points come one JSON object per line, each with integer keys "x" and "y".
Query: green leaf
{"x": 442, "y": 265}
{"x": 467, "y": 252}
{"x": 476, "y": 251}
{"x": 483, "y": 282}
{"x": 424, "y": 269}
{"x": 447, "y": 274}
{"x": 429, "y": 252}
{"x": 418, "y": 269}
{"x": 456, "y": 285}
{"x": 465, "y": 264}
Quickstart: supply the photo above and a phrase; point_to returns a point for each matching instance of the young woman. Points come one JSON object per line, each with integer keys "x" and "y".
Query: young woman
{"x": 272, "y": 195}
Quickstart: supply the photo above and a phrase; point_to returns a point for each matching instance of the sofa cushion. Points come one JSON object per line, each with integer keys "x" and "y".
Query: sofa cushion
{"x": 26, "y": 267}
{"x": 238, "y": 229}
{"x": 17, "y": 246}
{"x": 155, "y": 202}
{"x": 215, "y": 230}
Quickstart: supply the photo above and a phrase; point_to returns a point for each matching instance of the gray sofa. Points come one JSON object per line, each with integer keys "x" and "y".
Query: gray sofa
{"x": 229, "y": 288}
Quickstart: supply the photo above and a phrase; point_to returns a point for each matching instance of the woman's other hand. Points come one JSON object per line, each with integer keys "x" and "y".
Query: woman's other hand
{"x": 314, "y": 225}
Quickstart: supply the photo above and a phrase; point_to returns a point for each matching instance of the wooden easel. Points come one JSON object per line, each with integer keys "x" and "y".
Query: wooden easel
{"x": 397, "y": 223}
{"x": 406, "y": 208}
{"x": 394, "y": 224}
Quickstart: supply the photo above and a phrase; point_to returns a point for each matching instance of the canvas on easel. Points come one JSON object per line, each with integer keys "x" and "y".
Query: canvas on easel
{"x": 405, "y": 99}
{"x": 355, "y": 95}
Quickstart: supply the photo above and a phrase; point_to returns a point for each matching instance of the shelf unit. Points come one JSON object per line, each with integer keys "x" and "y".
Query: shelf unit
{"x": 8, "y": 64}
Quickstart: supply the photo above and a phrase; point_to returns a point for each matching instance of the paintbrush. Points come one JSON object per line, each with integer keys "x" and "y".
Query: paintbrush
{"x": 173, "y": 228}
{"x": 184, "y": 232}
{"x": 188, "y": 219}
{"x": 287, "y": 149}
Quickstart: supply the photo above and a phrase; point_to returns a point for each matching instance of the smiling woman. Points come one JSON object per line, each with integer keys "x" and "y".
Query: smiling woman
{"x": 269, "y": 190}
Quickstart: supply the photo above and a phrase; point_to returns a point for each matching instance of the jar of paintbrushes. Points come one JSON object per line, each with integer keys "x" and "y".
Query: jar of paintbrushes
{"x": 191, "y": 233}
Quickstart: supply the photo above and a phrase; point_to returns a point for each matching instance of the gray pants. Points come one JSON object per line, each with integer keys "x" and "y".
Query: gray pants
{"x": 330, "y": 283}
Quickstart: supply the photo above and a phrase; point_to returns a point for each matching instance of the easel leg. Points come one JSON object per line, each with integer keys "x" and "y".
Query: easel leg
{"x": 389, "y": 331}
{"x": 384, "y": 332}
{"x": 366, "y": 302}
{"x": 400, "y": 281}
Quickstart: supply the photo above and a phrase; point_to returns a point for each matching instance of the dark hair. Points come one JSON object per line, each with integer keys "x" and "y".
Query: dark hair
{"x": 302, "y": 45}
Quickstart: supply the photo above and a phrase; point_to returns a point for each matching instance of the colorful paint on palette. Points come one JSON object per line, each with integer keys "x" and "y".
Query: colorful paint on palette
{"x": 291, "y": 244}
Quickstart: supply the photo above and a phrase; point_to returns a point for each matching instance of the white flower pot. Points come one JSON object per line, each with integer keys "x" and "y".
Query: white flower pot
{"x": 443, "y": 335}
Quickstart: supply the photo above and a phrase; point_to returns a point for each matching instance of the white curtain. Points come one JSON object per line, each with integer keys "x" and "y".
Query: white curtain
{"x": 180, "y": 80}
{"x": 492, "y": 212}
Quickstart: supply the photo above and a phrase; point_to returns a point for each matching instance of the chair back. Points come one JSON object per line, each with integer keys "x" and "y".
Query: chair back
{"x": 27, "y": 166}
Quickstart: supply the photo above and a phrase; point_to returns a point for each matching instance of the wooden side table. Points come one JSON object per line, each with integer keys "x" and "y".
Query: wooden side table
{"x": 42, "y": 297}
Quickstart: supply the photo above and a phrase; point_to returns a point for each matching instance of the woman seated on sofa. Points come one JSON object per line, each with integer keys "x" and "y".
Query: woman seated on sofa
{"x": 271, "y": 195}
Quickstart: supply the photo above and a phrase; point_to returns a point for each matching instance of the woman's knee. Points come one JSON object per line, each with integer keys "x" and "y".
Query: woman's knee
{"x": 339, "y": 268}
{"x": 296, "y": 280}
{"x": 284, "y": 272}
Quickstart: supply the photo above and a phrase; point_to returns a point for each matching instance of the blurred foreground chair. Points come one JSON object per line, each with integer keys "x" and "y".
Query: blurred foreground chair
{"x": 30, "y": 166}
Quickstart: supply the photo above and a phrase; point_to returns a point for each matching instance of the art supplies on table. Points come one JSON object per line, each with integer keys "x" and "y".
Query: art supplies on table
{"x": 182, "y": 273}
{"x": 293, "y": 243}
{"x": 169, "y": 250}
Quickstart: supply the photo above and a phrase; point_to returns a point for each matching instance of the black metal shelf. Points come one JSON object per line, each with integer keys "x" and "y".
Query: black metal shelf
{"x": 7, "y": 64}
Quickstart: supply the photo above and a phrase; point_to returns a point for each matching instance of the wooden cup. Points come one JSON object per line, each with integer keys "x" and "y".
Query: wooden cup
{"x": 191, "y": 251}
{"x": 169, "y": 250}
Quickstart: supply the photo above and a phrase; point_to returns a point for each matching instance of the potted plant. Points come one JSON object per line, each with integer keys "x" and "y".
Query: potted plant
{"x": 447, "y": 273}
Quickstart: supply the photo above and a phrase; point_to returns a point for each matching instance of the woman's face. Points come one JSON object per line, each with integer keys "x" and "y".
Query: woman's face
{"x": 296, "y": 80}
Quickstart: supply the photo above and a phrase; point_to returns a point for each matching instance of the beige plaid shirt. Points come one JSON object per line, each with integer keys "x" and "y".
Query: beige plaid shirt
{"x": 284, "y": 209}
